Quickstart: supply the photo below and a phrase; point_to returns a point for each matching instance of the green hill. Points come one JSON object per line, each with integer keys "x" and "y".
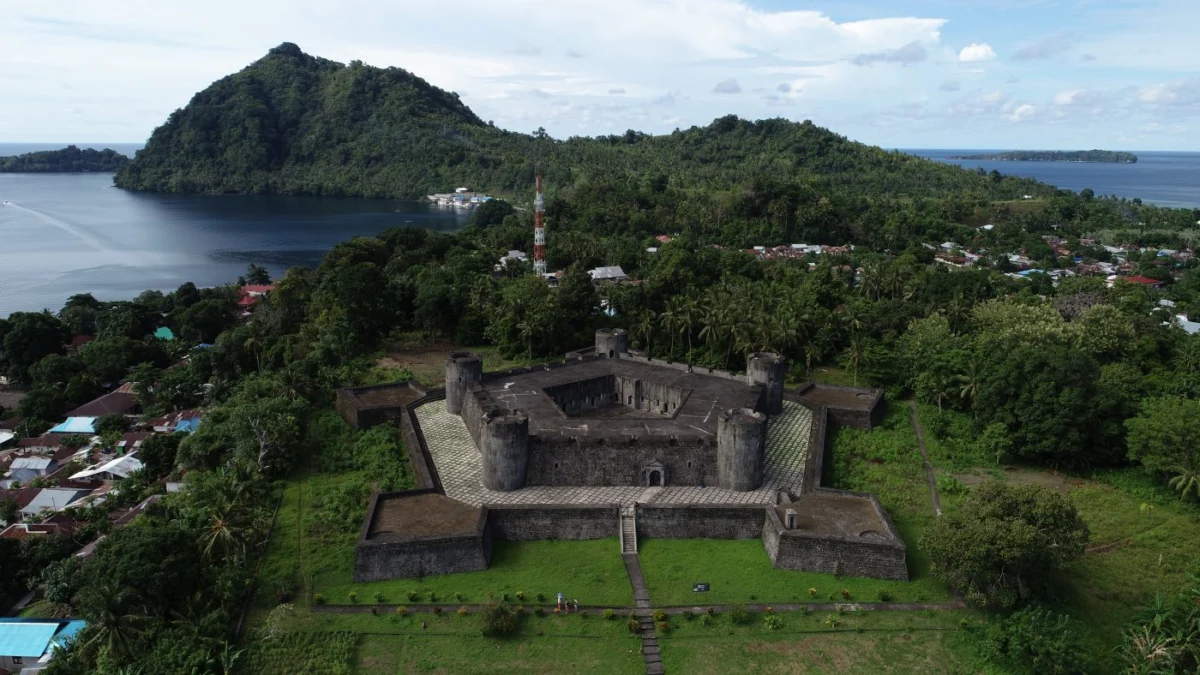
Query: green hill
{"x": 292, "y": 123}
{"x": 68, "y": 160}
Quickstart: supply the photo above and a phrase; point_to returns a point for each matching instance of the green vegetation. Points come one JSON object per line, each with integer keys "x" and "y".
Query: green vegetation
{"x": 854, "y": 642}
{"x": 1105, "y": 156}
{"x": 740, "y": 572}
{"x": 68, "y": 160}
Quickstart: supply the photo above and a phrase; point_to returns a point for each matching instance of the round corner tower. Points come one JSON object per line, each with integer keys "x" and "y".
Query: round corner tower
{"x": 462, "y": 368}
{"x": 504, "y": 446}
{"x": 611, "y": 341}
{"x": 769, "y": 370}
{"x": 741, "y": 447}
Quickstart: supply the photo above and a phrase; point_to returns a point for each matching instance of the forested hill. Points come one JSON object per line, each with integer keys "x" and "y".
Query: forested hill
{"x": 68, "y": 160}
{"x": 292, "y": 123}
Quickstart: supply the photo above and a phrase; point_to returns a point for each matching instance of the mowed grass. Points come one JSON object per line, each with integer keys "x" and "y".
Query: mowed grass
{"x": 590, "y": 571}
{"x": 859, "y": 642}
{"x": 739, "y": 571}
{"x": 449, "y": 643}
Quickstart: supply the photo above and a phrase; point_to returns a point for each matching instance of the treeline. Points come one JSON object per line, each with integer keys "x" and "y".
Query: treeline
{"x": 1099, "y": 156}
{"x": 291, "y": 123}
{"x": 68, "y": 160}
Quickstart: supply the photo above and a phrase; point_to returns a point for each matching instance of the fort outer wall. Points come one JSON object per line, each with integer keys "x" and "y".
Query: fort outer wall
{"x": 798, "y": 550}
{"x": 590, "y": 460}
{"x": 699, "y": 521}
{"x": 414, "y": 557}
{"x": 551, "y": 521}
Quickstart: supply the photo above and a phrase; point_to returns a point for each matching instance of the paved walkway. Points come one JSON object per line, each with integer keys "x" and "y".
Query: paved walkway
{"x": 461, "y": 470}
{"x": 673, "y": 611}
{"x": 645, "y": 615}
{"x": 930, "y": 476}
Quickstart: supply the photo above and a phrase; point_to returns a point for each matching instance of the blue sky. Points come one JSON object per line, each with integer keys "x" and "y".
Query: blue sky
{"x": 1115, "y": 74}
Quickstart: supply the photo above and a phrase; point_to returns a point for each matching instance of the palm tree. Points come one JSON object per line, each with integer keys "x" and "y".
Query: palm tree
{"x": 689, "y": 317}
{"x": 1187, "y": 481}
{"x": 814, "y": 349}
{"x": 645, "y": 328}
{"x": 670, "y": 320}
{"x": 968, "y": 383}
{"x": 853, "y": 357}
{"x": 116, "y": 624}
{"x": 525, "y": 330}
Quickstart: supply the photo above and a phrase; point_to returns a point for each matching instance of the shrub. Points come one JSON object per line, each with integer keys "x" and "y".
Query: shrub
{"x": 804, "y": 610}
{"x": 437, "y": 611}
{"x": 609, "y": 614}
{"x": 739, "y": 615}
{"x": 402, "y": 611}
{"x": 633, "y": 625}
{"x": 412, "y": 596}
{"x": 773, "y": 622}
{"x": 769, "y": 611}
{"x": 462, "y": 611}
{"x": 318, "y": 599}
{"x": 833, "y": 620}
{"x": 504, "y": 597}
{"x": 499, "y": 620}
{"x": 539, "y": 611}
{"x": 883, "y": 595}
{"x": 520, "y": 595}
{"x": 458, "y": 596}
{"x": 689, "y": 615}
{"x": 1037, "y": 640}
{"x": 710, "y": 611}
{"x": 706, "y": 620}
{"x": 379, "y": 598}
{"x": 663, "y": 627}
{"x": 432, "y": 596}
{"x": 541, "y": 597}
{"x": 845, "y": 594}
{"x": 353, "y": 597}
{"x": 812, "y": 592}
{"x": 660, "y": 615}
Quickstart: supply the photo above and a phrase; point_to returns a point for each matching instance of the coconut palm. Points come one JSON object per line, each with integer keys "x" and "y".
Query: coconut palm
{"x": 116, "y": 622}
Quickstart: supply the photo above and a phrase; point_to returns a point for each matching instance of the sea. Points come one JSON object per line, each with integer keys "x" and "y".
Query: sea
{"x": 62, "y": 234}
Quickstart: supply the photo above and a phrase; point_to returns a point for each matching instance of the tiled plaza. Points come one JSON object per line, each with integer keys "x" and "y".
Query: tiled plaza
{"x": 461, "y": 470}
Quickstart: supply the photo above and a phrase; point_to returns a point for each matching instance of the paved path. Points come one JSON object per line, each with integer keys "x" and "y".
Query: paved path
{"x": 645, "y": 615}
{"x": 674, "y": 611}
{"x": 930, "y": 477}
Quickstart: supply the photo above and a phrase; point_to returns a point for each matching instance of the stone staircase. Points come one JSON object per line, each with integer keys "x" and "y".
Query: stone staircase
{"x": 628, "y": 530}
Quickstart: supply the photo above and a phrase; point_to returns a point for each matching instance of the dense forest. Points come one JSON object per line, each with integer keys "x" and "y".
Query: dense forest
{"x": 1098, "y": 156}
{"x": 292, "y": 123}
{"x": 68, "y": 160}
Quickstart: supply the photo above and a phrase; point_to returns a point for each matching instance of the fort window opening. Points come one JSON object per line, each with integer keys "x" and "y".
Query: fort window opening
{"x": 655, "y": 478}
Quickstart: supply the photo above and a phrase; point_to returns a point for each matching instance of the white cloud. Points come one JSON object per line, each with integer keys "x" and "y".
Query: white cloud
{"x": 1022, "y": 112}
{"x": 727, "y": 87}
{"x": 976, "y": 52}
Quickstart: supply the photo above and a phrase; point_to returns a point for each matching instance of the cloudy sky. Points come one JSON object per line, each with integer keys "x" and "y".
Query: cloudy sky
{"x": 1116, "y": 74}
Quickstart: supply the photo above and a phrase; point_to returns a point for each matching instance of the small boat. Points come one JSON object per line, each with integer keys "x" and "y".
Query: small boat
{"x": 7, "y": 203}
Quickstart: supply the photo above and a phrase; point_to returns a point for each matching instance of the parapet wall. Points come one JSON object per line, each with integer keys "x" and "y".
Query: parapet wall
{"x": 366, "y": 407}
{"x": 713, "y": 372}
{"x": 551, "y": 521}
{"x": 700, "y": 521}
{"x": 419, "y": 558}
{"x": 620, "y": 460}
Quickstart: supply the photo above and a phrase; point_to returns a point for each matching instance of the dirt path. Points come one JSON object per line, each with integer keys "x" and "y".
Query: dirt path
{"x": 930, "y": 476}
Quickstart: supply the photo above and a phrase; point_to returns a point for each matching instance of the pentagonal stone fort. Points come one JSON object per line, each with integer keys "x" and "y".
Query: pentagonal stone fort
{"x": 608, "y": 443}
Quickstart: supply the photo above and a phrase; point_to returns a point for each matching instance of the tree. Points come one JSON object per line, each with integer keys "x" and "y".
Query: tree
{"x": 112, "y": 423}
{"x": 158, "y": 453}
{"x": 491, "y": 212}
{"x": 257, "y": 275}
{"x": 29, "y": 337}
{"x": 203, "y": 321}
{"x": 1165, "y": 438}
{"x": 1004, "y": 541}
{"x": 1037, "y": 640}
{"x": 46, "y": 405}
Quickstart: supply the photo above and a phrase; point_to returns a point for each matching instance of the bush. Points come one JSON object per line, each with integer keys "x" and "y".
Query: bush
{"x": 520, "y": 595}
{"x": 504, "y": 597}
{"x": 738, "y": 615}
{"x": 706, "y": 620}
{"x": 538, "y": 611}
{"x": 845, "y": 594}
{"x": 950, "y": 486}
{"x": 432, "y": 596}
{"x": 883, "y": 595}
{"x": 609, "y": 614}
{"x": 1036, "y": 640}
{"x": 541, "y": 597}
{"x": 458, "y": 597}
{"x": 833, "y": 620}
{"x": 499, "y": 620}
{"x": 318, "y": 599}
{"x": 401, "y": 611}
{"x": 437, "y": 611}
{"x": 660, "y": 615}
{"x": 773, "y": 622}
{"x": 462, "y": 611}
{"x": 689, "y": 615}
{"x": 812, "y": 592}
{"x": 353, "y": 597}
{"x": 769, "y": 611}
{"x": 710, "y": 611}
{"x": 633, "y": 625}
{"x": 379, "y": 598}
{"x": 663, "y": 627}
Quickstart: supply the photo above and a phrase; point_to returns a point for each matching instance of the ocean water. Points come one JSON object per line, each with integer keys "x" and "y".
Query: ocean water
{"x": 1163, "y": 178}
{"x": 74, "y": 233}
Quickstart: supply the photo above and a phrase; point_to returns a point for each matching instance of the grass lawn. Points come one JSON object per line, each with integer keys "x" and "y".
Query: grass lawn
{"x": 389, "y": 643}
{"x": 591, "y": 571}
{"x": 862, "y": 642}
{"x": 739, "y": 571}
{"x": 414, "y": 356}
{"x": 38, "y": 609}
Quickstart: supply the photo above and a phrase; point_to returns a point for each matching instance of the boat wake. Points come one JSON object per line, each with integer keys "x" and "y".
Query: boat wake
{"x": 98, "y": 243}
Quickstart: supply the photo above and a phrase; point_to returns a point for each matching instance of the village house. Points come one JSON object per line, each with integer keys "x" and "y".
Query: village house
{"x": 28, "y": 645}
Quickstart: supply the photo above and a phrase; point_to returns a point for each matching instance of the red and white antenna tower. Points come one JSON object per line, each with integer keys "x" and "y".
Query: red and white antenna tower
{"x": 539, "y": 231}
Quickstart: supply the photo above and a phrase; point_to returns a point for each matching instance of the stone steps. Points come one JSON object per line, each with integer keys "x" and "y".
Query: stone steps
{"x": 628, "y": 531}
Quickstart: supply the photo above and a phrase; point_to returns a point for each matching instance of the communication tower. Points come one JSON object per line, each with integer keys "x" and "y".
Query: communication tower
{"x": 539, "y": 231}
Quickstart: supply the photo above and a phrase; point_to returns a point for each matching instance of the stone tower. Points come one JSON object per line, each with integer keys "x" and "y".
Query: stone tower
{"x": 741, "y": 446}
{"x": 769, "y": 370}
{"x": 504, "y": 445}
{"x": 611, "y": 341}
{"x": 462, "y": 368}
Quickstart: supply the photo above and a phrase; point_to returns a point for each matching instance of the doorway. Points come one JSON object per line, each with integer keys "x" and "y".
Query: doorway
{"x": 655, "y": 478}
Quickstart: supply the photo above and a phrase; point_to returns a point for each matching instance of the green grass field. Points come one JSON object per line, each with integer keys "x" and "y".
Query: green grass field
{"x": 739, "y": 571}
{"x": 591, "y": 571}
{"x": 855, "y": 642}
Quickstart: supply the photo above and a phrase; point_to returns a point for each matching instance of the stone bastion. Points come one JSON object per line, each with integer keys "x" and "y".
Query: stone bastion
{"x": 567, "y": 450}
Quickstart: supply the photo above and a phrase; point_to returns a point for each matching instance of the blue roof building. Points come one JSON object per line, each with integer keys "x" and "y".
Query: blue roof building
{"x": 29, "y": 643}
{"x": 76, "y": 425}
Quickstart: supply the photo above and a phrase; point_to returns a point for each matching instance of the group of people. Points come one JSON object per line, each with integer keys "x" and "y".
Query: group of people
{"x": 565, "y": 606}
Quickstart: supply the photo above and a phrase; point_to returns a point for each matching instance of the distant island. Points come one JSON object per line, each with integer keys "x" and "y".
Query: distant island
{"x": 68, "y": 160}
{"x": 1097, "y": 156}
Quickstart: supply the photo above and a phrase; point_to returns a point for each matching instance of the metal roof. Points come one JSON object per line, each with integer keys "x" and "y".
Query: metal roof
{"x": 121, "y": 466}
{"x": 26, "y": 639}
{"x": 614, "y": 272}
{"x": 76, "y": 425}
{"x": 35, "y": 463}
{"x": 53, "y": 499}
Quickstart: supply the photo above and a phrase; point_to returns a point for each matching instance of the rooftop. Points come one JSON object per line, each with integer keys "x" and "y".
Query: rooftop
{"x": 704, "y": 396}
{"x": 840, "y": 515}
{"x": 406, "y": 516}
{"x": 115, "y": 402}
{"x": 76, "y": 425}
